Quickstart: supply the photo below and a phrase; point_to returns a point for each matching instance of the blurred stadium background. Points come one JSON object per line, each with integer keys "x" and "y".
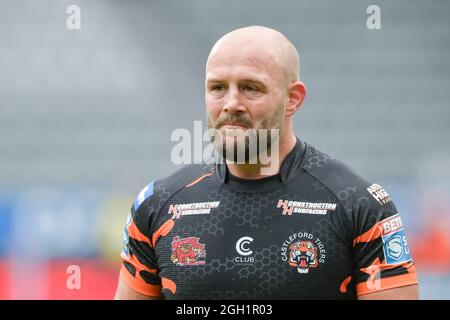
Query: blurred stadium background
{"x": 86, "y": 118}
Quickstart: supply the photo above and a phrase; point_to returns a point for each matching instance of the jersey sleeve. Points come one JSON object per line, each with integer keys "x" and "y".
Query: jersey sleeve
{"x": 382, "y": 256}
{"x": 139, "y": 268}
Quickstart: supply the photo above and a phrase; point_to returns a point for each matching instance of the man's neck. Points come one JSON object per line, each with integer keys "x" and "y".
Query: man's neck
{"x": 258, "y": 170}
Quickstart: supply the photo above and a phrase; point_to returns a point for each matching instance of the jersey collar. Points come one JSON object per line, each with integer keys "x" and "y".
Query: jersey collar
{"x": 289, "y": 168}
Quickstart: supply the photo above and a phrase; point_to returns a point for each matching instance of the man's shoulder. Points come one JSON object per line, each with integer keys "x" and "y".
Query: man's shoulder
{"x": 338, "y": 177}
{"x": 160, "y": 190}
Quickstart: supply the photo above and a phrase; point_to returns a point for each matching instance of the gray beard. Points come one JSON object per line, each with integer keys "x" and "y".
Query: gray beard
{"x": 249, "y": 146}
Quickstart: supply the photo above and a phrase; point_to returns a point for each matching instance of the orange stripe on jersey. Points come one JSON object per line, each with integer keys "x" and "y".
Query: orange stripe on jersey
{"x": 344, "y": 284}
{"x": 386, "y": 283}
{"x": 138, "y": 284}
{"x": 134, "y": 233}
{"x": 136, "y": 263}
{"x": 378, "y": 265}
{"x": 199, "y": 179}
{"x": 373, "y": 233}
{"x": 169, "y": 284}
{"x": 162, "y": 231}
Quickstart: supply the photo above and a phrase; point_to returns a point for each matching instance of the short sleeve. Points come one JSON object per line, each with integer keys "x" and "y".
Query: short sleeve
{"x": 139, "y": 268}
{"x": 382, "y": 256}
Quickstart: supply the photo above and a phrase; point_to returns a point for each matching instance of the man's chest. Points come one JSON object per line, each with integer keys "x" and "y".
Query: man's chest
{"x": 236, "y": 245}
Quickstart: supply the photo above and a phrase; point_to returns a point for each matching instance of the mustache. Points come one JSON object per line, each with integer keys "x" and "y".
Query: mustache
{"x": 240, "y": 121}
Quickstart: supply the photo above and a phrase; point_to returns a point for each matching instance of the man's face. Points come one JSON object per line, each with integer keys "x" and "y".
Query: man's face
{"x": 245, "y": 89}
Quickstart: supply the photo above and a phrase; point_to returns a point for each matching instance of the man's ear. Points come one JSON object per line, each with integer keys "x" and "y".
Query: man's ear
{"x": 296, "y": 95}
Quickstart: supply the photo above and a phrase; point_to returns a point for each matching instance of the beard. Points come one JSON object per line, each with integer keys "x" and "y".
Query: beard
{"x": 250, "y": 145}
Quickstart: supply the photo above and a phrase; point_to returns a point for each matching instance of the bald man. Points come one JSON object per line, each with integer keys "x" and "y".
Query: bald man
{"x": 288, "y": 221}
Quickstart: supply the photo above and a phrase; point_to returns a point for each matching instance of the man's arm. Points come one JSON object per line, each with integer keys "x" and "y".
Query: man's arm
{"x": 410, "y": 292}
{"x": 138, "y": 279}
{"x": 124, "y": 292}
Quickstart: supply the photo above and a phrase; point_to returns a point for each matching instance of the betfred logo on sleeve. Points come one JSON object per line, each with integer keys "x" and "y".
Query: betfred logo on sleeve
{"x": 395, "y": 246}
{"x": 391, "y": 224}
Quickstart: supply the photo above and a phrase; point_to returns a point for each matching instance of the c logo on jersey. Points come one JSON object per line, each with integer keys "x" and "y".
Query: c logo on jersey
{"x": 241, "y": 246}
{"x": 187, "y": 251}
{"x": 244, "y": 251}
{"x": 303, "y": 255}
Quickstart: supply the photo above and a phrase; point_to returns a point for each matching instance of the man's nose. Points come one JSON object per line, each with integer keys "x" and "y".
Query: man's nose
{"x": 233, "y": 103}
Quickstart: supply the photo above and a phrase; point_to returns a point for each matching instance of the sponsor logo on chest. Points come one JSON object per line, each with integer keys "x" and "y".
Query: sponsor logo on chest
{"x": 289, "y": 207}
{"x": 243, "y": 248}
{"x": 195, "y": 208}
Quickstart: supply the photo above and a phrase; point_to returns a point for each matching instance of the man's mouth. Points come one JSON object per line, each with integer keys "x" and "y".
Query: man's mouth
{"x": 233, "y": 125}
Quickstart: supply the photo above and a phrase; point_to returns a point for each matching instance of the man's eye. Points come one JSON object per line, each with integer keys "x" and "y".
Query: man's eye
{"x": 249, "y": 88}
{"x": 217, "y": 88}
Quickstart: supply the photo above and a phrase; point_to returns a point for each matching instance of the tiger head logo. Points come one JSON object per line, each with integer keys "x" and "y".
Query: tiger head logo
{"x": 303, "y": 255}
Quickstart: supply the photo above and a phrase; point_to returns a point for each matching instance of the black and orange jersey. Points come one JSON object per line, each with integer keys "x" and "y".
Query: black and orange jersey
{"x": 316, "y": 230}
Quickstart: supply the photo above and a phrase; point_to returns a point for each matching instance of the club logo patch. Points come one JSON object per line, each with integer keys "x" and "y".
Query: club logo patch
{"x": 303, "y": 251}
{"x": 188, "y": 251}
{"x": 395, "y": 246}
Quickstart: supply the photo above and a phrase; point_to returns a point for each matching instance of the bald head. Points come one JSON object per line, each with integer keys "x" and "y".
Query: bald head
{"x": 252, "y": 82}
{"x": 262, "y": 45}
